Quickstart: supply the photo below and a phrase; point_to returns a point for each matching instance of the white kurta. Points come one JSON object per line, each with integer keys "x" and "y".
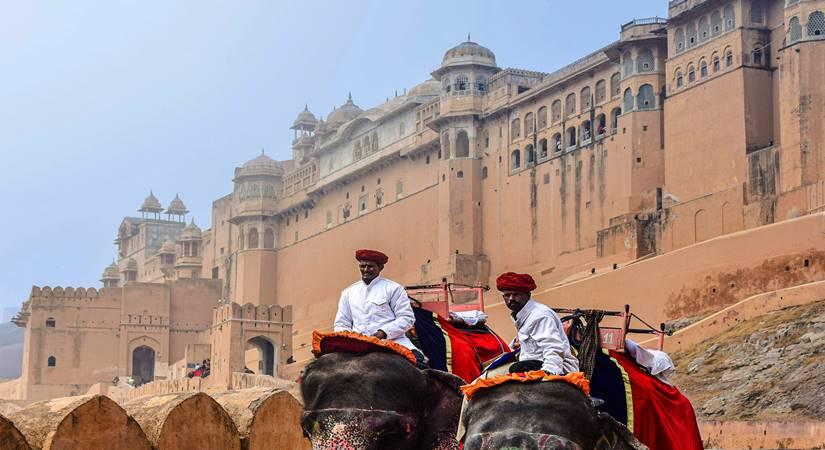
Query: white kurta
{"x": 381, "y": 305}
{"x": 542, "y": 337}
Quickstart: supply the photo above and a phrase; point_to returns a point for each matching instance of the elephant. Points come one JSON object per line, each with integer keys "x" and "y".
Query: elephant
{"x": 540, "y": 416}
{"x": 377, "y": 401}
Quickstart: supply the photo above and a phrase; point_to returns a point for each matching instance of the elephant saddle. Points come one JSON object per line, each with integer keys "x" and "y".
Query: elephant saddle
{"x": 575, "y": 378}
{"x": 350, "y": 342}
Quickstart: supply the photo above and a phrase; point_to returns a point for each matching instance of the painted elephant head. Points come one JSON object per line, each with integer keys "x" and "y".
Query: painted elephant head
{"x": 378, "y": 401}
{"x": 540, "y": 416}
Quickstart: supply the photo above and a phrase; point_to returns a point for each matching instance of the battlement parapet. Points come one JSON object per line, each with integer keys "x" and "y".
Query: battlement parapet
{"x": 61, "y": 292}
{"x": 252, "y": 313}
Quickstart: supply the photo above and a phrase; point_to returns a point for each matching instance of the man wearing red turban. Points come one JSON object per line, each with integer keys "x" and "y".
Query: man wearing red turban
{"x": 543, "y": 344}
{"x": 376, "y": 306}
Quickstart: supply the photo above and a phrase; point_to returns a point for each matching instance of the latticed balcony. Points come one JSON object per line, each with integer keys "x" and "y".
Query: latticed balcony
{"x": 300, "y": 178}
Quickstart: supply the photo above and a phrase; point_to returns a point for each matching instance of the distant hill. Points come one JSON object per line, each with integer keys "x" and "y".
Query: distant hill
{"x": 11, "y": 350}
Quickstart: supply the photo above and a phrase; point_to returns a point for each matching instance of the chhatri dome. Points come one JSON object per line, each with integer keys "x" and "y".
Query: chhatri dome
{"x": 305, "y": 119}
{"x": 167, "y": 247}
{"x": 429, "y": 87}
{"x": 111, "y": 272}
{"x": 260, "y": 165}
{"x": 151, "y": 204}
{"x": 469, "y": 52}
{"x": 344, "y": 114}
{"x": 191, "y": 231}
{"x": 176, "y": 206}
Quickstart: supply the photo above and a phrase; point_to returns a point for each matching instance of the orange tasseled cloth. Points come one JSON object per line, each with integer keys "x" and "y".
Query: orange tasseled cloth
{"x": 348, "y": 341}
{"x": 575, "y": 378}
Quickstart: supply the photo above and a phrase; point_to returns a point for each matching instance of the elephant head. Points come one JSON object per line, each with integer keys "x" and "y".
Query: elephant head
{"x": 378, "y": 401}
{"x": 540, "y": 416}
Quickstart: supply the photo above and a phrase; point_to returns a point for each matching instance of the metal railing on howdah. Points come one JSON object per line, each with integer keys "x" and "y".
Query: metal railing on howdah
{"x": 612, "y": 338}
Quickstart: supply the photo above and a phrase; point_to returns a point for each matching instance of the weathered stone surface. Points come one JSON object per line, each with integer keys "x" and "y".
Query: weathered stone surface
{"x": 768, "y": 368}
{"x": 10, "y": 437}
{"x": 182, "y": 421}
{"x": 85, "y": 422}
{"x": 266, "y": 418}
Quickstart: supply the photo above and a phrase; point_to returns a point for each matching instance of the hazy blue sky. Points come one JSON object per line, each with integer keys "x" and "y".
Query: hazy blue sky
{"x": 101, "y": 101}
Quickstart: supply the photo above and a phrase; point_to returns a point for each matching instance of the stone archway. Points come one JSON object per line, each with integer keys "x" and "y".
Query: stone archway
{"x": 261, "y": 356}
{"x": 143, "y": 364}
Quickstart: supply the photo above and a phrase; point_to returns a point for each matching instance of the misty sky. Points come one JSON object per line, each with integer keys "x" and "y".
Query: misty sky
{"x": 102, "y": 101}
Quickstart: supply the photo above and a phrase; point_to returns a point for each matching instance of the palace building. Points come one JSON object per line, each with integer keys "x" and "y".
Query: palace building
{"x": 637, "y": 174}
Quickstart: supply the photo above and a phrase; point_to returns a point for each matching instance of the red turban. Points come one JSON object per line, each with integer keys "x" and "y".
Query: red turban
{"x": 519, "y": 282}
{"x": 371, "y": 255}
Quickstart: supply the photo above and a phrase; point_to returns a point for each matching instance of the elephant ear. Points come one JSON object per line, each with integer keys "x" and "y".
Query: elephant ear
{"x": 616, "y": 436}
{"x": 440, "y": 420}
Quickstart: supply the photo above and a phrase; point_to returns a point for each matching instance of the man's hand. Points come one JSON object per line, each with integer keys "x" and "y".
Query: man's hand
{"x": 380, "y": 334}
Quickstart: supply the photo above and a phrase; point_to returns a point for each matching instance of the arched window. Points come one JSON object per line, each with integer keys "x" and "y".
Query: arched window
{"x": 679, "y": 40}
{"x": 481, "y": 84}
{"x": 241, "y": 240}
{"x": 462, "y": 145}
{"x": 515, "y": 129}
{"x": 691, "y": 74}
{"x": 446, "y": 85}
{"x": 646, "y": 98}
{"x": 627, "y": 64}
{"x": 757, "y": 56}
{"x": 615, "y": 85}
{"x": 570, "y": 105}
{"x": 515, "y": 159}
{"x": 570, "y": 137}
{"x": 50, "y": 322}
{"x": 556, "y": 142}
{"x": 542, "y": 118}
{"x": 730, "y": 19}
{"x": 728, "y": 58}
{"x": 715, "y": 23}
{"x": 614, "y": 119}
{"x": 715, "y": 62}
{"x": 484, "y": 172}
{"x": 555, "y": 111}
{"x": 601, "y": 92}
{"x": 628, "y": 100}
{"x": 704, "y": 29}
{"x": 757, "y": 12}
{"x": 601, "y": 125}
{"x": 703, "y": 68}
{"x": 586, "y": 131}
{"x": 52, "y": 362}
{"x": 356, "y": 151}
{"x": 586, "y": 99}
{"x": 691, "y": 34}
{"x": 445, "y": 146}
{"x": 529, "y": 123}
{"x": 816, "y": 24}
{"x": 461, "y": 83}
{"x": 543, "y": 149}
{"x": 794, "y": 30}
{"x": 365, "y": 146}
{"x": 253, "y": 238}
{"x": 529, "y": 155}
{"x": 644, "y": 62}
{"x": 269, "y": 238}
